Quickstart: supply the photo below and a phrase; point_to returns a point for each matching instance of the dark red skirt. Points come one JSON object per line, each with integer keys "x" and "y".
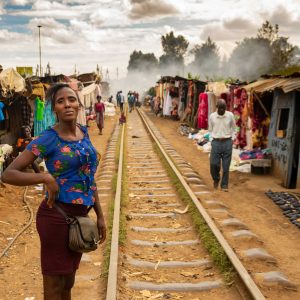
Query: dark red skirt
{"x": 56, "y": 257}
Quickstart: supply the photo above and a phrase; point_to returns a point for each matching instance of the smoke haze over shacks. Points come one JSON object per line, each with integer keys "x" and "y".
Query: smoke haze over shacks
{"x": 105, "y": 32}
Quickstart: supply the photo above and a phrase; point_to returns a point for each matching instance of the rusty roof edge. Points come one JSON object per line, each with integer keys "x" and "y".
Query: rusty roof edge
{"x": 286, "y": 84}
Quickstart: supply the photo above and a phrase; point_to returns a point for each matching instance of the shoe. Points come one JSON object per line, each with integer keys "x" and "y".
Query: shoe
{"x": 216, "y": 184}
{"x": 224, "y": 189}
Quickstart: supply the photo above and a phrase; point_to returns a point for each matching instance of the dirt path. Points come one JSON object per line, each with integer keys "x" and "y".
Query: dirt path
{"x": 247, "y": 202}
{"x": 20, "y": 275}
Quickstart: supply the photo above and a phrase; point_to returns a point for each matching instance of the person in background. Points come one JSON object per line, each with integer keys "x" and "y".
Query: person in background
{"x": 130, "y": 99}
{"x": 22, "y": 143}
{"x": 100, "y": 110}
{"x": 118, "y": 98}
{"x": 122, "y": 100}
{"x": 222, "y": 130}
{"x": 122, "y": 119}
{"x": 71, "y": 161}
{"x": 110, "y": 99}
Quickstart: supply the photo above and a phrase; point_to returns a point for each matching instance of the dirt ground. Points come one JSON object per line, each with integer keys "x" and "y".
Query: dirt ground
{"x": 20, "y": 276}
{"x": 20, "y": 269}
{"x": 247, "y": 202}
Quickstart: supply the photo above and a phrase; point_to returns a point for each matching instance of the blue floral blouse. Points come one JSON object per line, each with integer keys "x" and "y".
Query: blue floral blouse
{"x": 72, "y": 163}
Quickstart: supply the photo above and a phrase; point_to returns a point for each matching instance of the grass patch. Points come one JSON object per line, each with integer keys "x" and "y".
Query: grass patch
{"x": 210, "y": 242}
{"x": 107, "y": 249}
{"x": 124, "y": 196}
{"x": 111, "y": 208}
{"x": 114, "y": 182}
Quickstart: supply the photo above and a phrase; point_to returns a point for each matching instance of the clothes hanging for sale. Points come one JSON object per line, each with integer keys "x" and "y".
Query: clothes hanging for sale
{"x": 239, "y": 102}
{"x": 26, "y": 112}
{"x": 212, "y": 102}
{"x": 48, "y": 119}
{"x": 203, "y": 111}
{"x": 40, "y": 106}
{"x": 1, "y": 112}
{"x": 167, "y": 108}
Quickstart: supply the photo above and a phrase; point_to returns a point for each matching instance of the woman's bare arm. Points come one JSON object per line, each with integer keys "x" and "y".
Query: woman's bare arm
{"x": 14, "y": 175}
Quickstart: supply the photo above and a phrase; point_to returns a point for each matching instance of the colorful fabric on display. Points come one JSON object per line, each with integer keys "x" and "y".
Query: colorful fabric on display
{"x": 256, "y": 154}
{"x": 47, "y": 120}
{"x": 1, "y": 112}
{"x": 239, "y": 102}
{"x": 203, "y": 111}
{"x": 72, "y": 163}
{"x": 40, "y": 106}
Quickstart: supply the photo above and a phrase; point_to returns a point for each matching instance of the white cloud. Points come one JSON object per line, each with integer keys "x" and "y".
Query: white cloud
{"x": 106, "y": 32}
{"x": 8, "y": 36}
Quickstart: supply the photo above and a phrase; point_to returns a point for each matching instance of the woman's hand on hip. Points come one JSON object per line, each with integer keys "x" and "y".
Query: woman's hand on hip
{"x": 52, "y": 188}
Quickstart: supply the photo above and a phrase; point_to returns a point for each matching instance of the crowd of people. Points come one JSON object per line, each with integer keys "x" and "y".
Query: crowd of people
{"x": 132, "y": 100}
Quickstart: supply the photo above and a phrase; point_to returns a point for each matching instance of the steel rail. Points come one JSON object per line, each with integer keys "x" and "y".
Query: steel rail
{"x": 111, "y": 292}
{"x": 239, "y": 267}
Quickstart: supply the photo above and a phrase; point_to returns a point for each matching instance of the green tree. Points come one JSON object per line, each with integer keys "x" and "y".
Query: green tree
{"x": 283, "y": 53}
{"x": 282, "y": 50}
{"x": 140, "y": 61}
{"x": 174, "y": 49}
{"x": 268, "y": 31}
{"x": 206, "y": 58}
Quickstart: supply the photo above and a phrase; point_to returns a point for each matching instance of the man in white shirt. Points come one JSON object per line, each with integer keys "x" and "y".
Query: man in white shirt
{"x": 222, "y": 130}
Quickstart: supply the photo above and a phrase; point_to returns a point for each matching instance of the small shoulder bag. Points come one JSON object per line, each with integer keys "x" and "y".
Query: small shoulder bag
{"x": 83, "y": 232}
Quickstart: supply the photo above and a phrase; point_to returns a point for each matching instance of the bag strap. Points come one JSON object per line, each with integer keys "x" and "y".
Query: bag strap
{"x": 67, "y": 218}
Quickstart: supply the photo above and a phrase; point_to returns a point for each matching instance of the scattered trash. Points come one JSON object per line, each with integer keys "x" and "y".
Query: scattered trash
{"x": 182, "y": 211}
{"x": 157, "y": 264}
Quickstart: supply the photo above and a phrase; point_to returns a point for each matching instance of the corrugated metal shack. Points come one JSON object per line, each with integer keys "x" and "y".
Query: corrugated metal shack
{"x": 284, "y": 131}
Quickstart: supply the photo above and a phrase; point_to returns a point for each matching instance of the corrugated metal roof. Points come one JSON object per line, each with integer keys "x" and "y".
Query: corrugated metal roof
{"x": 286, "y": 84}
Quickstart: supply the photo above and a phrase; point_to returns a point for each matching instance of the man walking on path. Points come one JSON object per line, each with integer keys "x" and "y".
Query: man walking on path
{"x": 222, "y": 130}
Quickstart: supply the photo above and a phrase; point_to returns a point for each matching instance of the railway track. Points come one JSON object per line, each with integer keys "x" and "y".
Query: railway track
{"x": 163, "y": 257}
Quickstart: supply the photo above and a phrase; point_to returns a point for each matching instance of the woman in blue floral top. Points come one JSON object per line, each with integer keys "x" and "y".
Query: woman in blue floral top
{"x": 71, "y": 161}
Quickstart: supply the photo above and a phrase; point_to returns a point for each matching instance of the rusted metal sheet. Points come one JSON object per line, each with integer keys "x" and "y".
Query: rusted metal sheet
{"x": 286, "y": 84}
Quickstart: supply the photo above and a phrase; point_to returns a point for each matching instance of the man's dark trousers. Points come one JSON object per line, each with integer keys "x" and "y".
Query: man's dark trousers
{"x": 221, "y": 150}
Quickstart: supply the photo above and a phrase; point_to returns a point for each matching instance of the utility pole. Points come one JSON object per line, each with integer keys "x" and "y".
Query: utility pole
{"x": 40, "y": 48}
{"x": 117, "y": 73}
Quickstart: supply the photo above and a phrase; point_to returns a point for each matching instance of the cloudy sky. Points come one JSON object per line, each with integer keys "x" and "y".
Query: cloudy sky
{"x": 104, "y": 32}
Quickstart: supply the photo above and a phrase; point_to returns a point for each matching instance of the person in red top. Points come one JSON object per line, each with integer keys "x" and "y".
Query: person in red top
{"x": 99, "y": 110}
